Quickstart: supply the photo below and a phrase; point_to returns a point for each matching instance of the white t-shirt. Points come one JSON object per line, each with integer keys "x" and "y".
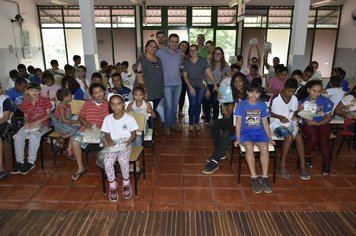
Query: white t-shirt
{"x": 280, "y": 107}
{"x": 82, "y": 87}
{"x": 349, "y": 102}
{"x": 335, "y": 95}
{"x": 119, "y": 129}
{"x": 316, "y": 76}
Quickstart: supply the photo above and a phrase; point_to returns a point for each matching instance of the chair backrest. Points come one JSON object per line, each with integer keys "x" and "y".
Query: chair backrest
{"x": 76, "y": 106}
{"x": 140, "y": 120}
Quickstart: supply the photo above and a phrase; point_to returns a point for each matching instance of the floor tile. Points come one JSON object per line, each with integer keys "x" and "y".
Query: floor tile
{"x": 317, "y": 195}
{"x": 289, "y": 195}
{"x": 228, "y": 196}
{"x": 165, "y": 195}
{"x": 79, "y": 194}
{"x": 194, "y": 181}
{"x": 192, "y": 196}
{"x": 20, "y": 193}
{"x": 224, "y": 181}
{"x": 49, "y": 193}
{"x": 165, "y": 180}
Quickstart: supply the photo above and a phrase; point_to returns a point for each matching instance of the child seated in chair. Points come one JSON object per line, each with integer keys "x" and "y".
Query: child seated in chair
{"x": 91, "y": 114}
{"x": 347, "y": 108}
{"x": 141, "y": 106}
{"x": 252, "y": 128}
{"x": 120, "y": 131}
{"x": 5, "y": 110}
{"x": 316, "y": 129}
{"x": 37, "y": 110}
{"x": 62, "y": 119}
{"x": 283, "y": 107}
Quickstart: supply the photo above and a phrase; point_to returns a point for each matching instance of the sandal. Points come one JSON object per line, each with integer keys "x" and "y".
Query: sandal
{"x": 77, "y": 176}
{"x": 284, "y": 173}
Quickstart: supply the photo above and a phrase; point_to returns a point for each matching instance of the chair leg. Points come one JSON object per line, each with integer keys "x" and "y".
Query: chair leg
{"x": 232, "y": 153}
{"x": 274, "y": 165}
{"x": 143, "y": 165}
{"x": 12, "y": 144}
{"x": 135, "y": 177}
{"x": 53, "y": 151}
{"x": 239, "y": 167}
{"x": 103, "y": 178}
{"x": 41, "y": 154}
{"x": 153, "y": 156}
{"x": 342, "y": 142}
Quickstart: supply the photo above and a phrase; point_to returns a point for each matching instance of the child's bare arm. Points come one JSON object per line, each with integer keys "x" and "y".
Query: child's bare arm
{"x": 238, "y": 129}
{"x": 64, "y": 118}
{"x": 108, "y": 139}
{"x": 129, "y": 107}
{"x": 150, "y": 110}
{"x": 267, "y": 130}
{"x": 132, "y": 138}
{"x": 84, "y": 122}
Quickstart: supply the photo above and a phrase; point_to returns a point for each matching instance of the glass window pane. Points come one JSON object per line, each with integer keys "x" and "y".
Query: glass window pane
{"x": 325, "y": 39}
{"x": 279, "y": 38}
{"x": 193, "y": 34}
{"x": 51, "y": 17}
{"x": 152, "y": 16}
{"x": 74, "y": 44}
{"x": 327, "y": 18}
{"x": 311, "y": 19}
{"x": 72, "y": 18}
{"x": 54, "y": 47}
{"x": 177, "y": 16}
{"x": 183, "y": 34}
{"x": 253, "y": 21}
{"x": 226, "y": 39}
{"x": 201, "y": 16}
{"x": 102, "y": 18}
{"x": 227, "y": 16}
{"x": 279, "y": 18}
{"x": 123, "y": 18}
{"x": 103, "y": 37}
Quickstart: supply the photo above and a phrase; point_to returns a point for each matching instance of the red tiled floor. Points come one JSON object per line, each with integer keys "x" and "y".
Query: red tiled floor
{"x": 179, "y": 184}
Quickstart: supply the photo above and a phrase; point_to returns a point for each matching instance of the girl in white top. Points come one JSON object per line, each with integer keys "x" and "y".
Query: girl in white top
{"x": 118, "y": 127}
{"x": 139, "y": 105}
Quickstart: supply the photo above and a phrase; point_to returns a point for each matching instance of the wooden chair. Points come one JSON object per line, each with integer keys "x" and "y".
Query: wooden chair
{"x": 346, "y": 134}
{"x": 242, "y": 153}
{"x": 76, "y": 105}
{"x": 137, "y": 155}
{"x": 149, "y": 139}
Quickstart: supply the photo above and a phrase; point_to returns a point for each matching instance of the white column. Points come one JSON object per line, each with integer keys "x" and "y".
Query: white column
{"x": 138, "y": 31}
{"x": 89, "y": 36}
{"x": 299, "y": 35}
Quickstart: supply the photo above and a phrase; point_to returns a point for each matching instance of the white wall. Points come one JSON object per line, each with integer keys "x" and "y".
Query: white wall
{"x": 11, "y": 37}
{"x": 346, "y": 47}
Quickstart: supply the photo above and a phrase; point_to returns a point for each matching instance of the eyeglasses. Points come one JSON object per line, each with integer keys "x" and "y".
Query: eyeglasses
{"x": 219, "y": 54}
{"x": 192, "y": 50}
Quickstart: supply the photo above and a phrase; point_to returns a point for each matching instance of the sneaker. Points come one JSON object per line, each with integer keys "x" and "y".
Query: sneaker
{"x": 3, "y": 174}
{"x": 113, "y": 195}
{"x": 304, "y": 175}
{"x": 326, "y": 170}
{"x": 209, "y": 159}
{"x": 256, "y": 185}
{"x": 27, "y": 167}
{"x": 265, "y": 185}
{"x": 210, "y": 167}
{"x": 197, "y": 127}
{"x": 17, "y": 168}
{"x": 284, "y": 173}
{"x": 177, "y": 128}
{"x": 167, "y": 131}
{"x": 308, "y": 162}
{"x": 191, "y": 128}
{"x": 127, "y": 192}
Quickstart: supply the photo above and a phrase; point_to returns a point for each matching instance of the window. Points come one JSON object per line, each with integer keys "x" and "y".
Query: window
{"x": 327, "y": 18}
{"x": 311, "y": 19}
{"x": 226, "y": 40}
{"x": 193, "y": 34}
{"x": 227, "y": 16}
{"x": 51, "y": 18}
{"x": 102, "y": 18}
{"x": 152, "y": 16}
{"x": 177, "y": 16}
{"x": 201, "y": 16}
{"x": 54, "y": 46}
{"x": 72, "y": 18}
{"x": 279, "y": 18}
{"x": 123, "y": 18}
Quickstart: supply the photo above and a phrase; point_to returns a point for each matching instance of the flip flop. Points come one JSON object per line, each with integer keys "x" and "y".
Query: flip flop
{"x": 77, "y": 176}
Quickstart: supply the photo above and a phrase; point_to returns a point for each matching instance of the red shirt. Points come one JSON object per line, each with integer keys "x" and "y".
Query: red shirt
{"x": 93, "y": 113}
{"x": 37, "y": 111}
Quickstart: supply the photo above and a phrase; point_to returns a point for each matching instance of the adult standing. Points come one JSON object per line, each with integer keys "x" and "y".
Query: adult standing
{"x": 202, "y": 50}
{"x": 171, "y": 60}
{"x": 150, "y": 73}
{"x": 161, "y": 39}
{"x": 184, "y": 49}
{"x": 220, "y": 69}
{"x": 194, "y": 73}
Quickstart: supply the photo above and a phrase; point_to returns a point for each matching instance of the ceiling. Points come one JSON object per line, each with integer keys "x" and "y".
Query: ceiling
{"x": 182, "y": 2}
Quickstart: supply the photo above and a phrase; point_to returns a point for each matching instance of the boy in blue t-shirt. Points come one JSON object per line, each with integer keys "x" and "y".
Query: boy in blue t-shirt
{"x": 317, "y": 130}
{"x": 252, "y": 128}
{"x": 16, "y": 95}
{"x": 119, "y": 88}
{"x": 5, "y": 110}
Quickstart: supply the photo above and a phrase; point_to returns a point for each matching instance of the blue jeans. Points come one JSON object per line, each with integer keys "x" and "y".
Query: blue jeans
{"x": 195, "y": 105}
{"x": 171, "y": 99}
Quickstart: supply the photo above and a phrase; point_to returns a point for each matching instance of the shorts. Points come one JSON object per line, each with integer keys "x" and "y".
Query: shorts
{"x": 255, "y": 136}
{"x": 282, "y": 132}
{"x": 78, "y": 137}
{"x": 4, "y": 128}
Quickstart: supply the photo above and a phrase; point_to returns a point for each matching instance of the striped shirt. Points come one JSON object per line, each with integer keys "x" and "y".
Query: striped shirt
{"x": 152, "y": 76}
{"x": 94, "y": 113}
{"x": 37, "y": 111}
